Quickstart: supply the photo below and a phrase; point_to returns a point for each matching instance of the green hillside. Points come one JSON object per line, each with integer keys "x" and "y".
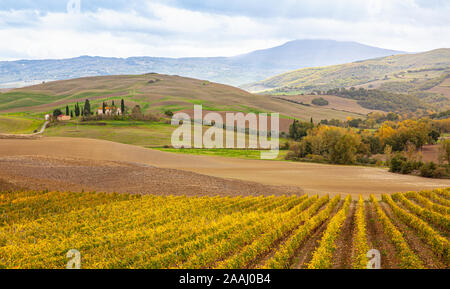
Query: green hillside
{"x": 18, "y": 124}
{"x": 414, "y": 74}
{"x": 154, "y": 93}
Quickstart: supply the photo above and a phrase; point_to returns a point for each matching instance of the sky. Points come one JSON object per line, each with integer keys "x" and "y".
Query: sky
{"x": 43, "y": 29}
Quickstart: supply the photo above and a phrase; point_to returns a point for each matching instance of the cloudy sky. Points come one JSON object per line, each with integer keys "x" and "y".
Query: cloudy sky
{"x": 39, "y": 29}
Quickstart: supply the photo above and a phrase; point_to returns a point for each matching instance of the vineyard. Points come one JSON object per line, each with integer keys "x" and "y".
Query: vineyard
{"x": 37, "y": 229}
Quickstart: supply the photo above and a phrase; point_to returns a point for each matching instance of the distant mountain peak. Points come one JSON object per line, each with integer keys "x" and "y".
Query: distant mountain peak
{"x": 237, "y": 70}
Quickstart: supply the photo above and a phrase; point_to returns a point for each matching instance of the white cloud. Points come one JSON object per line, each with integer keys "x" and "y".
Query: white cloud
{"x": 158, "y": 29}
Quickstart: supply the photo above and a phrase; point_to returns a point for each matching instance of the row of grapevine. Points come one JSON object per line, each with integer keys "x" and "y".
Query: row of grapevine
{"x": 443, "y": 192}
{"x": 179, "y": 252}
{"x": 406, "y": 255}
{"x": 360, "y": 245}
{"x": 322, "y": 257}
{"x": 435, "y": 198}
{"x": 201, "y": 244}
{"x": 282, "y": 258}
{"x": 27, "y": 206}
{"x": 211, "y": 254}
{"x": 438, "y": 244}
{"x": 425, "y": 214}
{"x": 150, "y": 219}
{"x": 137, "y": 231}
{"x": 427, "y": 203}
{"x": 264, "y": 243}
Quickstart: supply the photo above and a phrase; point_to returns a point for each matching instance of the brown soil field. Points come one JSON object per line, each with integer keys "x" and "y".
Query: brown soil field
{"x": 335, "y": 102}
{"x": 306, "y": 177}
{"x": 76, "y": 175}
{"x": 430, "y": 153}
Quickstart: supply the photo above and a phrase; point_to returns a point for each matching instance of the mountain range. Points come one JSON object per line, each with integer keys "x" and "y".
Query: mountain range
{"x": 237, "y": 70}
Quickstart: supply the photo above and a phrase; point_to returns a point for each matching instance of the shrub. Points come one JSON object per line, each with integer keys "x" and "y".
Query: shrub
{"x": 366, "y": 160}
{"x": 168, "y": 113}
{"x": 320, "y": 101}
{"x": 286, "y": 146}
{"x": 428, "y": 170}
{"x": 317, "y": 158}
{"x": 396, "y": 163}
{"x": 407, "y": 167}
{"x": 57, "y": 112}
{"x": 440, "y": 172}
{"x": 291, "y": 156}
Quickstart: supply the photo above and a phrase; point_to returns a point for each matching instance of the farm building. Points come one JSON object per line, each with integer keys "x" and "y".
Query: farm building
{"x": 63, "y": 117}
{"x": 109, "y": 110}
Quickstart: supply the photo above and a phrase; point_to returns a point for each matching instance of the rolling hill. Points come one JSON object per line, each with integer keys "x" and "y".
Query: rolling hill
{"x": 409, "y": 70}
{"x": 422, "y": 75}
{"x": 235, "y": 70}
{"x": 157, "y": 93}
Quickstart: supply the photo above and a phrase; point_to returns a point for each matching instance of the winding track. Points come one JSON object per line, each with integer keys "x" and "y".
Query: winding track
{"x": 25, "y": 136}
{"x": 312, "y": 178}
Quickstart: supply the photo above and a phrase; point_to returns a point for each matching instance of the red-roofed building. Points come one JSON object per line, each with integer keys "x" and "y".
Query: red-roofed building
{"x": 63, "y": 117}
{"x": 109, "y": 110}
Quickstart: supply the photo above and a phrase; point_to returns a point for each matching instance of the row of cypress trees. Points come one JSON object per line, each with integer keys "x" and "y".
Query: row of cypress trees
{"x": 84, "y": 110}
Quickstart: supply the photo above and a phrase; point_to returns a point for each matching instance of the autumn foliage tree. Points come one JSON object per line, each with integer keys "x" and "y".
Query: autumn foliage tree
{"x": 398, "y": 135}
{"x": 334, "y": 144}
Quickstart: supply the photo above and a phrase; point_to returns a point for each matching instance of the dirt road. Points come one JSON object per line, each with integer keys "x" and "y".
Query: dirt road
{"x": 311, "y": 178}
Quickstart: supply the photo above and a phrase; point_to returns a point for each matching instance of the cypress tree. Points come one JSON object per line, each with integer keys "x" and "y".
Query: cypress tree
{"x": 77, "y": 110}
{"x": 122, "y": 106}
{"x": 87, "y": 107}
{"x": 57, "y": 112}
{"x": 104, "y": 108}
{"x": 67, "y": 110}
{"x": 71, "y": 114}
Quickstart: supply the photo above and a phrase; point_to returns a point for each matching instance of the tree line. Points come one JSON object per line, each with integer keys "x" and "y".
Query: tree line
{"x": 380, "y": 99}
{"x": 399, "y": 141}
{"x": 86, "y": 110}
